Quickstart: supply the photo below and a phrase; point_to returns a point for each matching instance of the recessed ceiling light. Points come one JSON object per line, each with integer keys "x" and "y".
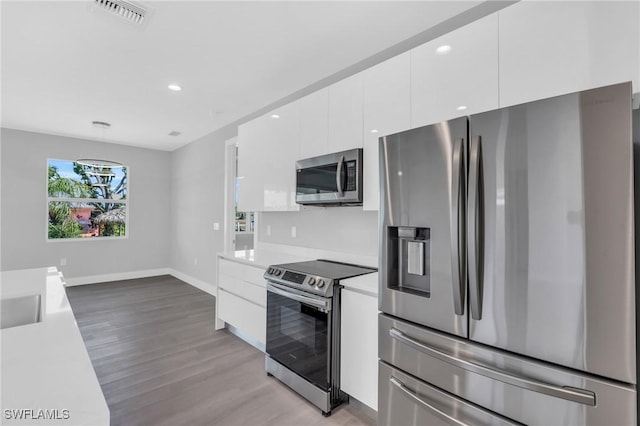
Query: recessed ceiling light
{"x": 445, "y": 48}
{"x": 461, "y": 108}
{"x": 101, "y": 124}
{"x": 174, "y": 87}
{"x": 275, "y": 116}
{"x": 374, "y": 131}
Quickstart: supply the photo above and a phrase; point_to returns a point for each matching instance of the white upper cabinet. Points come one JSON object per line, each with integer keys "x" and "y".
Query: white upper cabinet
{"x": 345, "y": 114}
{"x": 387, "y": 103}
{"x": 279, "y": 163}
{"x": 250, "y": 154}
{"x": 552, "y": 48}
{"x": 314, "y": 124}
{"x": 268, "y": 148}
{"x": 456, "y": 74}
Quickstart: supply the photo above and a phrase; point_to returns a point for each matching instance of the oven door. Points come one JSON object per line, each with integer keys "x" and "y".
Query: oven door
{"x": 299, "y": 332}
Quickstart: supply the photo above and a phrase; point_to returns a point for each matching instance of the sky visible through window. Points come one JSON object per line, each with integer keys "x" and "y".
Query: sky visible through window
{"x": 65, "y": 170}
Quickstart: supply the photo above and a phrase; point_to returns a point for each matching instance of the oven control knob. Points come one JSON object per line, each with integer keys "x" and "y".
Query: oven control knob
{"x": 277, "y": 272}
{"x": 270, "y": 271}
{"x": 320, "y": 283}
{"x": 312, "y": 281}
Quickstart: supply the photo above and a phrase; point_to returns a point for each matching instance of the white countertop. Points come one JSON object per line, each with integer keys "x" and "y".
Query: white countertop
{"x": 261, "y": 258}
{"x": 367, "y": 284}
{"x": 273, "y": 254}
{"x": 45, "y": 366}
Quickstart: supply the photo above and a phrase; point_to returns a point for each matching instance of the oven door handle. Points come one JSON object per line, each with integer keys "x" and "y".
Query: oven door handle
{"x": 321, "y": 304}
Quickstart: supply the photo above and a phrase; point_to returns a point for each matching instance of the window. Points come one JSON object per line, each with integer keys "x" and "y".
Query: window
{"x": 86, "y": 199}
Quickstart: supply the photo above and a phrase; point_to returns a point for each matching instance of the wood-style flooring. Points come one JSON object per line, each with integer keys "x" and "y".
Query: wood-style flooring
{"x": 159, "y": 361}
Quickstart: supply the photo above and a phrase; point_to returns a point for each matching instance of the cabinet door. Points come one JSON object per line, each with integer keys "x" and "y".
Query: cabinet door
{"x": 314, "y": 124}
{"x": 267, "y": 151}
{"x": 387, "y": 109}
{"x": 460, "y": 80}
{"x": 277, "y": 167}
{"x": 249, "y": 318}
{"x": 251, "y": 153}
{"x": 345, "y": 114}
{"x": 553, "y": 48}
{"x": 359, "y": 347}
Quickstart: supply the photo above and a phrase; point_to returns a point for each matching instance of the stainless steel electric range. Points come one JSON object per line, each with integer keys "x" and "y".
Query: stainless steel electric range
{"x": 303, "y": 327}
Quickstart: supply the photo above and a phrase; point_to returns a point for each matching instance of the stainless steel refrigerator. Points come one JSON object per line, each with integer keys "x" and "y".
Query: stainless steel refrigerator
{"x": 507, "y": 281}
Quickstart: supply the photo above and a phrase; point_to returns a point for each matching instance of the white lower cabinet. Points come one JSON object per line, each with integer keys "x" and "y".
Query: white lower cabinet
{"x": 242, "y": 300}
{"x": 247, "y": 317}
{"x": 359, "y": 347}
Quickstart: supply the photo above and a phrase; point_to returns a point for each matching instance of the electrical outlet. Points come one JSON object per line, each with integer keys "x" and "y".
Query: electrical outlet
{"x": 293, "y": 232}
{"x": 268, "y": 230}
{"x": 195, "y": 260}
{"x": 216, "y": 226}
{"x": 63, "y": 261}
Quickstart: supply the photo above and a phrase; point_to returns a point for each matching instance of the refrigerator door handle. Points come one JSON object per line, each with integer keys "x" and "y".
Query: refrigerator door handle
{"x": 458, "y": 227}
{"x": 475, "y": 228}
{"x": 414, "y": 396}
{"x": 580, "y": 396}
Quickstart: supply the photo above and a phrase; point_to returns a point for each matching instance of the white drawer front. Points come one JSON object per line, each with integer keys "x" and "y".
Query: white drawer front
{"x": 242, "y": 272}
{"x": 244, "y": 289}
{"x": 247, "y": 317}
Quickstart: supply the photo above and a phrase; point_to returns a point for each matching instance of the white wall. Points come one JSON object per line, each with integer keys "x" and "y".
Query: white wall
{"x": 23, "y": 226}
{"x": 343, "y": 229}
{"x": 197, "y": 202}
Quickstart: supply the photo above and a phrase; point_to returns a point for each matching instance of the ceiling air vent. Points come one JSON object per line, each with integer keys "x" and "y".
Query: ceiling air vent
{"x": 174, "y": 133}
{"x": 125, "y": 9}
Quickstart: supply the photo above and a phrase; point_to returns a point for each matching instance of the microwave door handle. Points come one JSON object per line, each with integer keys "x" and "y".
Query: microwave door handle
{"x": 339, "y": 179}
{"x": 458, "y": 263}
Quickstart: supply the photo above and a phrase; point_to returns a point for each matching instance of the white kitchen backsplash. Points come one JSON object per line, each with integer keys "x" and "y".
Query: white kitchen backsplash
{"x": 339, "y": 229}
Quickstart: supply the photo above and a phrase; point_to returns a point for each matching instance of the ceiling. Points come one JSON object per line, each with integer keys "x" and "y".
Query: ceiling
{"x": 68, "y": 63}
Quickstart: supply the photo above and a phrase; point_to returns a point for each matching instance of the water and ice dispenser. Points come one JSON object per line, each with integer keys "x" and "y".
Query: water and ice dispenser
{"x": 408, "y": 257}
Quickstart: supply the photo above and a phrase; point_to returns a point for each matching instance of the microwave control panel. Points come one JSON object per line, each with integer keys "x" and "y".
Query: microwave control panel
{"x": 351, "y": 176}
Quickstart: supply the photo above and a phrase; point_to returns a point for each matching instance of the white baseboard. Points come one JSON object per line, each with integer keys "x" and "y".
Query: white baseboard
{"x": 94, "y": 279}
{"x": 197, "y": 283}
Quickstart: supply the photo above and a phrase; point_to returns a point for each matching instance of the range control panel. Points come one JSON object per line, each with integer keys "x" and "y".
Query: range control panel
{"x": 313, "y": 284}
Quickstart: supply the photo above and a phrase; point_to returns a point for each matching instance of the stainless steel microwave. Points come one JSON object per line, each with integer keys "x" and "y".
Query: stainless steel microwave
{"x": 332, "y": 179}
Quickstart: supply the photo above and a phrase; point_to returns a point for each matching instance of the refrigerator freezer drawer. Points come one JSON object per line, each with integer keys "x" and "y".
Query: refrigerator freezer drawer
{"x": 404, "y": 400}
{"x": 519, "y": 388}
